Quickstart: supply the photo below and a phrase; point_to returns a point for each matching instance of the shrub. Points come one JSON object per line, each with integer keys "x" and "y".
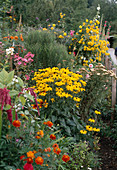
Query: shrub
{"x": 48, "y": 53}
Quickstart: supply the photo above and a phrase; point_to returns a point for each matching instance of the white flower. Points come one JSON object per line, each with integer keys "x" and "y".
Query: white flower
{"x": 90, "y": 65}
{"x": 98, "y": 8}
{"x": 90, "y": 168}
{"x": 13, "y": 79}
{"x": 16, "y": 80}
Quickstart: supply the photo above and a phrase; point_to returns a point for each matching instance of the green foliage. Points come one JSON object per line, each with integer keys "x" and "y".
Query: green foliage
{"x": 48, "y": 53}
{"x": 82, "y": 157}
{"x": 97, "y": 88}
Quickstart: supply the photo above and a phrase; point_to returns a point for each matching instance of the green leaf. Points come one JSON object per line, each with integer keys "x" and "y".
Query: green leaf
{"x": 29, "y": 96}
{"x": 20, "y": 81}
{"x": 10, "y": 77}
{"x": 3, "y": 76}
{"x": 23, "y": 100}
{"x": 1, "y": 86}
{"x": 13, "y": 93}
{"x": 7, "y": 107}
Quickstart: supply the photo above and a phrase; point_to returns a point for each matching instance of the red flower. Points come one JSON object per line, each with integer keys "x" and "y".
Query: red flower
{"x": 57, "y": 151}
{"x": 55, "y": 145}
{"x": 49, "y": 123}
{"x": 28, "y": 166}
{"x": 52, "y": 136}
{"x": 39, "y": 160}
{"x": 16, "y": 123}
{"x": 65, "y": 158}
{"x": 21, "y": 157}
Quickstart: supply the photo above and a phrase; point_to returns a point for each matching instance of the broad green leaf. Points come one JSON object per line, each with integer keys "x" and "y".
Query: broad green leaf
{"x": 23, "y": 100}
{"x": 3, "y": 76}
{"x": 7, "y": 107}
{"x": 13, "y": 93}
{"x": 29, "y": 96}
{"x": 20, "y": 81}
{"x": 1, "y": 86}
{"x": 10, "y": 77}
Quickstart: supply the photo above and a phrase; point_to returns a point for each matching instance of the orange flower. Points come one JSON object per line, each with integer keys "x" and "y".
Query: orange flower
{"x": 16, "y": 123}
{"x": 40, "y": 133}
{"x": 34, "y": 106}
{"x": 65, "y": 158}
{"x": 16, "y": 37}
{"x": 48, "y": 155}
{"x": 49, "y": 123}
{"x": 11, "y": 37}
{"x": 30, "y": 154}
{"x": 52, "y": 136}
{"x": 21, "y": 37}
{"x": 57, "y": 151}
{"x": 39, "y": 160}
{"x": 48, "y": 149}
{"x": 55, "y": 145}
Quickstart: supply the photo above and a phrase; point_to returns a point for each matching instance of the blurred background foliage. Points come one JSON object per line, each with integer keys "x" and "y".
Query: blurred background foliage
{"x": 43, "y": 12}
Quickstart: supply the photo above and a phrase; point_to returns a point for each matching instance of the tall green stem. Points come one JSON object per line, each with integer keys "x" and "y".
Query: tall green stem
{"x": 0, "y": 123}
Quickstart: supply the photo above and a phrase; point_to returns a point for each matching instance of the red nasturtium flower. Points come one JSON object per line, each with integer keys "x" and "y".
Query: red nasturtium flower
{"x": 55, "y": 145}
{"x": 21, "y": 157}
{"x": 57, "y": 151}
{"x": 65, "y": 158}
{"x": 16, "y": 123}
{"x": 52, "y": 136}
{"x": 30, "y": 154}
{"x": 49, "y": 123}
{"x": 39, "y": 160}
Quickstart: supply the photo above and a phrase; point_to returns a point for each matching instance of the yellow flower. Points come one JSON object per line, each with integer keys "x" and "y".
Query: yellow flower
{"x": 80, "y": 26}
{"x": 96, "y": 130}
{"x": 97, "y": 112}
{"x": 65, "y": 34}
{"x": 52, "y": 28}
{"x": 54, "y": 25}
{"x": 60, "y": 36}
{"x": 83, "y": 131}
{"x": 89, "y": 128}
{"x": 69, "y": 52}
{"x": 87, "y": 20}
{"x": 52, "y": 99}
{"x": 58, "y": 21}
{"x": 91, "y": 120}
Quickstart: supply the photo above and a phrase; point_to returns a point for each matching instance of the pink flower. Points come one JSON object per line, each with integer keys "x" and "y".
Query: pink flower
{"x": 87, "y": 76}
{"x": 105, "y": 21}
{"x": 24, "y": 64}
{"x": 27, "y": 77}
{"x": 19, "y": 63}
{"x": 90, "y": 65}
{"x": 104, "y": 25}
{"x": 72, "y": 33}
{"x": 24, "y": 49}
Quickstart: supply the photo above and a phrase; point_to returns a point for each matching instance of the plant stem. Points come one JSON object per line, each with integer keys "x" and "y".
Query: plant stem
{"x": 0, "y": 123}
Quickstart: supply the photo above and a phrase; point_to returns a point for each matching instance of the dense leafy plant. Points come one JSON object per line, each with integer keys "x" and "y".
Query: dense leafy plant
{"x": 59, "y": 93}
{"x": 48, "y": 53}
{"x": 82, "y": 157}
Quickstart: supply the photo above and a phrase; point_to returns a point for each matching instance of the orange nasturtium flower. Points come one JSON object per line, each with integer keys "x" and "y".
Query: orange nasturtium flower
{"x": 21, "y": 37}
{"x": 57, "y": 151}
{"x": 39, "y": 160}
{"x": 11, "y": 37}
{"x": 16, "y": 37}
{"x": 55, "y": 145}
{"x": 65, "y": 158}
{"x": 30, "y": 154}
{"x": 49, "y": 123}
{"x": 52, "y": 136}
{"x": 16, "y": 123}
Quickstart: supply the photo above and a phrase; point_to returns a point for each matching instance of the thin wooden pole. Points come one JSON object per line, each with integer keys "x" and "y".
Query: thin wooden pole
{"x": 113, "y": 94}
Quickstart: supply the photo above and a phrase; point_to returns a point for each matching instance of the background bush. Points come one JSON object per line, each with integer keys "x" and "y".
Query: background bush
{"x": 48, "y": 53}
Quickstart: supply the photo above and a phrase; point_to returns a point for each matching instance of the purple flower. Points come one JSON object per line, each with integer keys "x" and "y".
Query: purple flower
{"x": 47, "y": 19}
{"x": 37, "y": 18}
{"x": 16, "y": 30}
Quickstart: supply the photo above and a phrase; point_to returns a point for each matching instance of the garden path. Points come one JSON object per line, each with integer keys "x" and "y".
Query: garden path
{"x": 112, "y": 55}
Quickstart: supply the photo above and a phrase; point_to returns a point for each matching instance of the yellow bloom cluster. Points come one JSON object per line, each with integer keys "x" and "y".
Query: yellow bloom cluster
{"x": 58, "y": 82}
{"x": 91, "y": 120}
{"x": 97, "y": 112}
{"x": 88, "y": 37}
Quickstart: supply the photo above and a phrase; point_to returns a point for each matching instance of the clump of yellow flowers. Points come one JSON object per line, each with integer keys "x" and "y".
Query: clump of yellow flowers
{"x": 54, "y": 83}
{"x": 88, "y": 43}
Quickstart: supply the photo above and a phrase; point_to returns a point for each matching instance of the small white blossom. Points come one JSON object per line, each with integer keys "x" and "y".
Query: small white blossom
{"x": 98, "y": 8}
